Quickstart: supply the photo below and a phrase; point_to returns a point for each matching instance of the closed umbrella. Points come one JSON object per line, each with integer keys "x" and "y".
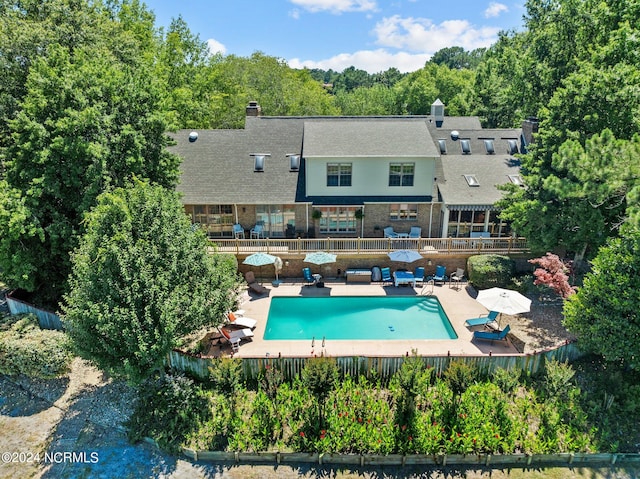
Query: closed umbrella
{"x": 320, "y": 257}
{"x": 504, "y": 301}
{"x": 259, "y": 259}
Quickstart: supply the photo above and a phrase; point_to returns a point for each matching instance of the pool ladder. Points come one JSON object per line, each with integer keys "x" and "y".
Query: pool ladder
{"x": 313, "y": 341}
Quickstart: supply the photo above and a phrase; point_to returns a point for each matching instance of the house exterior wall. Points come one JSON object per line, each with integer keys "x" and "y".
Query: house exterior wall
{"x": 377, "y": 217}
{"x": 369, "y": 176}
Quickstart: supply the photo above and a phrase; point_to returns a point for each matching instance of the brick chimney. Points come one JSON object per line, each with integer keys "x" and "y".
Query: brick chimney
{"x": 253, "y": 109}
{"x": 530, "y": 128}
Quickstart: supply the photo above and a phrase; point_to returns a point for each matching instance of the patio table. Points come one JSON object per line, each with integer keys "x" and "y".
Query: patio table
{"x": 404, "y": 277}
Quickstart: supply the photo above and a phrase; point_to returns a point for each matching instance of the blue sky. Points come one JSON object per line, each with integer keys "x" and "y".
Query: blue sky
{"x": 372, "y": 35}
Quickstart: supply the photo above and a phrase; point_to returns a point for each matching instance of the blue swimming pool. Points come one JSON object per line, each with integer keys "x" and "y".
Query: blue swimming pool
{"x": 357, "y": 317}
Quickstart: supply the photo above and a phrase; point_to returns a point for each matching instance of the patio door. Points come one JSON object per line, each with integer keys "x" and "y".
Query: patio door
{"x": 275, "y": 219}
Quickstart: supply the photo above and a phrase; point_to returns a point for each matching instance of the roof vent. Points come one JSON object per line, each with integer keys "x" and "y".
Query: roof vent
{"x": 454, "y": 135}
{"x": 258, "y": 161}
{"x": 294, "y": 162}
{"x": 488, "y": 144}
{"x": 193, "y": 136}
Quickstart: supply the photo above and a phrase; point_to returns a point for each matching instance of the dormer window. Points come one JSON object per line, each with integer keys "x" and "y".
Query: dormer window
{"x": 258, "y": 161}
{"x": 512, "y": 147}
{"x": 443, "y": 146}
{"x": 294, "y": 162}
{"x": 466, "y": 146}
{"x": 488, "y": 144}
{"x": 472, "y": 180}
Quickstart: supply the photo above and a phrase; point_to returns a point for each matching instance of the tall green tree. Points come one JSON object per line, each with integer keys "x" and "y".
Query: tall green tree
{"x": 583, "y": 69}
{"x": 604, "y": 312}
{"x": 87, "y": 123}
{"x": 142, "y": 279}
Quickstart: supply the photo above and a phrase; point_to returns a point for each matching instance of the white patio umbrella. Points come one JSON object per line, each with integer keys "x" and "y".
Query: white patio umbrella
{"x": 404, "y": 255}
{"x": 259, "y": 259}
{"x": 320, "y": 257}
{"x": 504, "y": 301}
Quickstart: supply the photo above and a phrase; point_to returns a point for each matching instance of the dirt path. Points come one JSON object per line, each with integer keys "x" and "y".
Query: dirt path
{"x": 83, "y": 414}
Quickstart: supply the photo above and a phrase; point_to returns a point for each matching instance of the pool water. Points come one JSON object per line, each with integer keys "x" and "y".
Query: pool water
{"x": 357, "y": 317}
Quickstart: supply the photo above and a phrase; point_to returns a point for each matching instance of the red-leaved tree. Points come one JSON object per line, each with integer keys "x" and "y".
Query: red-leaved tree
{"x": 554, "y": 273}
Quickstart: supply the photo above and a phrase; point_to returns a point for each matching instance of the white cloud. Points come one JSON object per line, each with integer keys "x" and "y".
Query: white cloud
{"x": 422, "y": 35}
{"x": 495, "y": 9}
{"x": 336, "y": 6}
{"x": 215, "y": 47}
{"x": 372, "y": 61}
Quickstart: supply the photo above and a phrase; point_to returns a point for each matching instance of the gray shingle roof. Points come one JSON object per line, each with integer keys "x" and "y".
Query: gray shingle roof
{"x": 490, "y": 170}
{"x": 218, "y": 167}
{"x": 369, "y": 138}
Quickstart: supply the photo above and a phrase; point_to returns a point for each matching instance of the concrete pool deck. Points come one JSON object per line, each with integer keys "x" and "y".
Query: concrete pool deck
{"x": 457, "y": 303}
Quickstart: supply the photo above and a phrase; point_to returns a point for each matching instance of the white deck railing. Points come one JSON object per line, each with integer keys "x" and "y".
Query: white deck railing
{"x": 507, "y": 245}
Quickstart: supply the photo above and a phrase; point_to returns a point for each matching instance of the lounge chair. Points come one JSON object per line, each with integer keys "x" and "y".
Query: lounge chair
{"x": 389, "y": 233}
{"x": 415, "y": 232}
{"x": 386, "y": 275}
{"x": 308, "y": 277}
{"x": 439, "y": 276}
{"x": 419, "y": 274}
{"x": 235, "y": 336}
{"x": 257, "y": 231}
{"x": 253, "y": 284}
{"x": 238, "y": 231}
{"x": 482, "y": 320}
{"x": 492, "y": 336}
{"x": 235, "y": 319}
{"x": 456, "y": 277}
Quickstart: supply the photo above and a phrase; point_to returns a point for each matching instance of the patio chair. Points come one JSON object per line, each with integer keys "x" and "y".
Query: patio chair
{"x": 386, "y": 275}
{"x": 456, "y": 277}
{"x": 482, "y": 320}
{"x": 415, "y": 232}
{"x": 389, "y": 233}
{"x": 439, "y": 276}
{"x": 254, "y": 285}
{"x": 257, "y": 231}
{"x": 492, "y": 336}
{"x": 308, "y": 277}
{"x": 238, "y": 231}
{"x": 419, "y": 274}
{"x": 234, "y": 319}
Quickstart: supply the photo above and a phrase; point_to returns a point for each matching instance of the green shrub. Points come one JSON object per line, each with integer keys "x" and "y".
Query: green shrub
{"x": 226, "y": 375}
{"x": 490, "y": 270}
{"x": 558, "y": 380}
{"x": 27, "y": 349}
{"x": 507, "y": 379}
{"x": 168, "y": 409}
{"x": 459, "y": 376}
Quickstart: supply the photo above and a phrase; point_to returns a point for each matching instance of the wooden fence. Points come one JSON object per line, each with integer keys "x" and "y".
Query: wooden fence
{"x": 376, "y": 366}
{"x": 46, "y": 319}
{"x": 436, "y": 460}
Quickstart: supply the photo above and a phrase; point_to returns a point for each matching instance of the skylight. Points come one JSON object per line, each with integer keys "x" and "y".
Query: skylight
{"x": 472, "y": 180}
{"x": 516, "y": 180}
{"x": 466, "y": 146}
{"x": 512, "y": 146}
{"x": 443, "y": 146}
